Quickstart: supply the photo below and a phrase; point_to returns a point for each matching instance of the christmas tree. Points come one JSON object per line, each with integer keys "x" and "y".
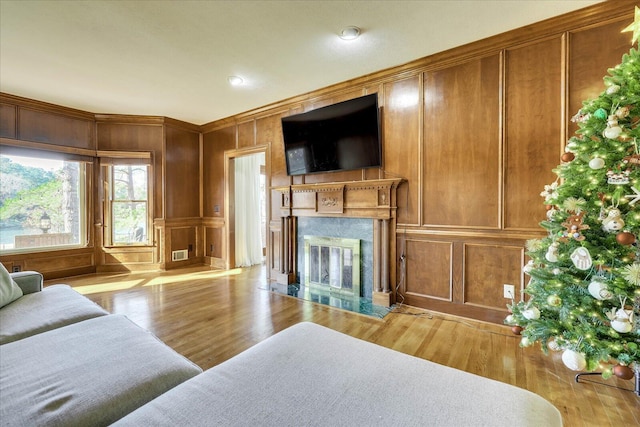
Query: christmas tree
{"x": 583, "y": 294}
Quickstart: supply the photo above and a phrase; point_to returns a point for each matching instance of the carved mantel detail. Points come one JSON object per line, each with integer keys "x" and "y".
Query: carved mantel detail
{"x": 375, "y": 199}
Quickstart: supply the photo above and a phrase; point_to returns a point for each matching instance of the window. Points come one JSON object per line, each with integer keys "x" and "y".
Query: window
{"x": 128, "y": 208}
{"x": 42, "y": 202}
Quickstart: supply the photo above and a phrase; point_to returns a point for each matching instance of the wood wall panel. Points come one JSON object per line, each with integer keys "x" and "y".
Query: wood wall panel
{"x": 246, "y": 134}
{"x": 214, "y": 145}
{"x": 592, "y": 52}
{"x": 137, "y": 137}
{"x": 487, "y": 268}
{"x": 128, "y": 257}
{"x": 182, "y": 165}
{"x": 462, "y": 144}
{"x": 213, "y": 242}
{"x": 533, "y": 127}
{"x": 56, "y": 129}
{"x": 183, "y": 238}
{"x": 401, "y": 136}
{"x": 429, "y": 269}
{"x": 269, "y": 132}
{"x": 8, "y": 121}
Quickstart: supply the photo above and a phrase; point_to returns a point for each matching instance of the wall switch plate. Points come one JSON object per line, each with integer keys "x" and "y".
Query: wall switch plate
{"x": 509, "y": 291}
{"x": 16, "y": 269}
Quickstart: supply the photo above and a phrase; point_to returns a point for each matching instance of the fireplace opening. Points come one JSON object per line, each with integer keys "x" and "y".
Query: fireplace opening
{"x": 332, "y": 264}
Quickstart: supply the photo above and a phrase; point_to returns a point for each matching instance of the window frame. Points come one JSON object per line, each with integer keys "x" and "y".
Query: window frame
{"x": 107, "y": 165}
{"x": 84, "y": 199}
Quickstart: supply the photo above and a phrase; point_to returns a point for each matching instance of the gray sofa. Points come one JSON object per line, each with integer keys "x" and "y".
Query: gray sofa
{"x": 65, "y": 361}
{"x": 106, "y": 370}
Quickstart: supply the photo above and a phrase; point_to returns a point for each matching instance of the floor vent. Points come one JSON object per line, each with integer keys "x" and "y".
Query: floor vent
{"x": 179, "y": 255}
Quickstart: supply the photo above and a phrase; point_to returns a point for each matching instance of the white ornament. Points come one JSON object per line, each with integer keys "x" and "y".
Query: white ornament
{"x": 528, "y": 267}
{"x": 612, "y": 132}
{"x": 613, "y": 89}
{"x": 596, "y": 163}
{"x": 599, "y": 290}
{"x": 581, "y": 258}
{"x": 556, "y": 271}
{"x": 621, "y": 326}
{"x": 634, "y": 197}
{"x": 552, "y": 252}
{"x": 509, "y": 319}
{"x": 525, "y": 342}
{"x": 574, "y": 360}
{"x": 550, "y": 213}
{"x": 623, "y": 321}
{"x": 613, "y": 221}
{"x": 531, "y": 313}
{"x": 553, "y": 345}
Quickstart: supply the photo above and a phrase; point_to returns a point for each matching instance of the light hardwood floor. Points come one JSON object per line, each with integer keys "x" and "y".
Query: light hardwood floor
{"x": 209, "y": 316}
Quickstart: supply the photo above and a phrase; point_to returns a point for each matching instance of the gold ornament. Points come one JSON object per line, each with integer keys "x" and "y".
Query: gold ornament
{"x": 635, "y": 27}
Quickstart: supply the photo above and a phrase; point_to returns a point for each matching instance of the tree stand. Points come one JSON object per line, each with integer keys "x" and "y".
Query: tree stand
{"x": 637, "y": 380}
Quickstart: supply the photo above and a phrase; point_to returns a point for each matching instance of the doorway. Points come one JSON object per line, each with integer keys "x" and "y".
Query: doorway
{"x": 246, "y": 199}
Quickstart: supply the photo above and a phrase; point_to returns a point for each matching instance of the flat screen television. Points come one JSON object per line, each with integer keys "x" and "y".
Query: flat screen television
{"x": 338, "y": 137}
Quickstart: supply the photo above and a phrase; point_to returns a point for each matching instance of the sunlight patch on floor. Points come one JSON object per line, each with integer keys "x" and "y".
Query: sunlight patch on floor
{"x": 114, "y": 283}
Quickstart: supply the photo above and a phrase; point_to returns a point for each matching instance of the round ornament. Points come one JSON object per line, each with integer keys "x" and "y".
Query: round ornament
{"x": 613, "y": 89}
{"x": 567, "y": 157}
{"x": 622, "y": 326}
{"x": 596, "y": 163}
{"x": 516, "y": 329}
{"x": 553, "y": 345}
{"x": 599, "y": 290}
{"x": 525, "y": 342}
{"x": 574, "y": 360}
{"x": 600, "y": 113}
{"x": 528, "y": 267}
{"x": 626, "y": 238}
{"x": 612, "y": 132}
{"x": 531, "y": 313}
{"x": 509, "y": 319}
{"x": 624, "y": 372}
{"x": 554, "y": 300}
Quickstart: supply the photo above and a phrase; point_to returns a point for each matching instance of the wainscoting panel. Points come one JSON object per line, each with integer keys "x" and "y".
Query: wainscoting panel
{"x": 429, "y": 269}
{"x": 487, "y": 268}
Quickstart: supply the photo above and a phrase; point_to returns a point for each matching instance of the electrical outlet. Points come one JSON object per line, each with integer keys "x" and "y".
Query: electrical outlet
{"x": 509, "y": 291}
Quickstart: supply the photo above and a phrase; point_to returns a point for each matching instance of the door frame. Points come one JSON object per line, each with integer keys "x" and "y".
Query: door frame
{"x": 229, "y": 198}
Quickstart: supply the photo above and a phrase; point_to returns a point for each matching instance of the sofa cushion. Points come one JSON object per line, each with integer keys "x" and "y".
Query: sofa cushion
{"x": 9, "y": 290}
{"x": 54, "y": 307}
{"x": 312, "y": 375}
{"x": 90, "y": 373}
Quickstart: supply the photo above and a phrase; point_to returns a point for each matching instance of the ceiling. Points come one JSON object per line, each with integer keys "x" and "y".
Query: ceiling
{"x": 173, "y": 58}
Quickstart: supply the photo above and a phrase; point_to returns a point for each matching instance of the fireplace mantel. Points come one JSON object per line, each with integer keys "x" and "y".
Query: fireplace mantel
{"x": 375, "y": 199}
{"x": 351, "y": 199}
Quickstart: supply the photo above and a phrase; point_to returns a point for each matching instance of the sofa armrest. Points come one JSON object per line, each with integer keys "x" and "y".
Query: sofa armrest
{"x": 29, "y": 281}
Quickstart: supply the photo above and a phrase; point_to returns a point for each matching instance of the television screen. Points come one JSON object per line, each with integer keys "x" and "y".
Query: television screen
{"x": 337, "y": 137}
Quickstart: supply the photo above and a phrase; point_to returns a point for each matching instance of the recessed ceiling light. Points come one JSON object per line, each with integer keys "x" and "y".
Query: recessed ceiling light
{"x": 235, "y": 80}
{"x": 350, "y": 33}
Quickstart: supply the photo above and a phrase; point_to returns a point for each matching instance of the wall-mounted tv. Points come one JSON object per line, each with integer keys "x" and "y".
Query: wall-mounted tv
{"x": 338, "y": 137}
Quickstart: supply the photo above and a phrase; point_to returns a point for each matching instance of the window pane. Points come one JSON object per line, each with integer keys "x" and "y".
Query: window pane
{"x": 41, "y": 203}
{"x": 130, "y": 182}
{"x": 129, "y": 223}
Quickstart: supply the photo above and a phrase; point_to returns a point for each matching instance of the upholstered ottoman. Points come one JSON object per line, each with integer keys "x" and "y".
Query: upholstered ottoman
{"x": 89, "y": 373}
{"x": 309, "y": 375}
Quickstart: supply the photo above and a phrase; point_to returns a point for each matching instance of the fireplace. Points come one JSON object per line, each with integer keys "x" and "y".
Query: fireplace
{"x": 332, "y": 264}
{"x": 368, "y": 202}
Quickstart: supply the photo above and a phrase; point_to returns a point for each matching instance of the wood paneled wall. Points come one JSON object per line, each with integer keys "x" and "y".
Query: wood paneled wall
{"x": 475, "y": 132}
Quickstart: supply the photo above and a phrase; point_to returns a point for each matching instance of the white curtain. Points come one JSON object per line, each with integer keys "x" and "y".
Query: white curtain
{"x": 247, "y": 201}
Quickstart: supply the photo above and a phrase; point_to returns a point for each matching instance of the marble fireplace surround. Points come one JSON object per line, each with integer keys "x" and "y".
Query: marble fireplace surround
{"x": 374, "y": 199}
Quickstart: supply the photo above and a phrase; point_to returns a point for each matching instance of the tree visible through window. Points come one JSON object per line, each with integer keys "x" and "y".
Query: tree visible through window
{"x": 129, "y": 204}
{"x": 42, "y": 203}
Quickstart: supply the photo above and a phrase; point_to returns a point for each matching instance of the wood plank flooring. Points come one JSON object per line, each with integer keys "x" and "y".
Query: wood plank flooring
{"x": 210, "y": 315}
